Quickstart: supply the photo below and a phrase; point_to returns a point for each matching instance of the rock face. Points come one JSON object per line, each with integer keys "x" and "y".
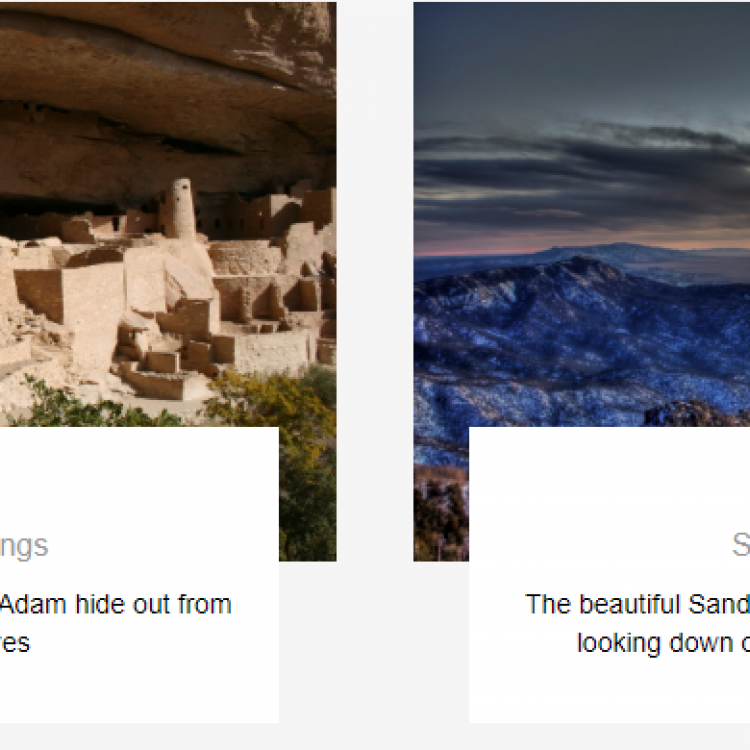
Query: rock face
{"x": 104, "y": 103}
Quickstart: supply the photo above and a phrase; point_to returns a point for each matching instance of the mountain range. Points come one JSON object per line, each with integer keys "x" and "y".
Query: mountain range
{"x": 574, "y": 342}
{"x": 679, "y": 267}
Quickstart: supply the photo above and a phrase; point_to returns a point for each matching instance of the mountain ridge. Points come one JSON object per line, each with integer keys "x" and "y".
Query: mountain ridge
{"x": 660, "y": 263}
{"x": 573, "y": 343}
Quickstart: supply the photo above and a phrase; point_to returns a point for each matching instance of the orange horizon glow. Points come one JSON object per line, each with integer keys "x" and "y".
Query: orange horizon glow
{"x": 480, "y": 247}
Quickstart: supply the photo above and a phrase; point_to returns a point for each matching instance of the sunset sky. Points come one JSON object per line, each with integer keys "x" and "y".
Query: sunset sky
{"x": 543, "y": 124}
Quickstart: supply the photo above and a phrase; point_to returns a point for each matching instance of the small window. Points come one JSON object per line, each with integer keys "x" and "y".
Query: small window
{"x": 200, "y": 224}
{"x": 116, "y": 223}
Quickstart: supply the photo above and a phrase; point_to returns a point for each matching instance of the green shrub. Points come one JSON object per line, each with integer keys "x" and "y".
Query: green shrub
{"x": 323, "y": 382}
{"x": 307, "y": 452}
{"x": 54, "y": 407}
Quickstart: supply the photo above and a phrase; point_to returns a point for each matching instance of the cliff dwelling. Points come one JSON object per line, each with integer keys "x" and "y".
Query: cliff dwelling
{"x": 167, "y": 197}
{"x": 144, "y": 297}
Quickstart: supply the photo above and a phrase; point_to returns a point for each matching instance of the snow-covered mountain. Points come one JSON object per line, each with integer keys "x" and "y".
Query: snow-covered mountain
{"x": 576, "y": 342}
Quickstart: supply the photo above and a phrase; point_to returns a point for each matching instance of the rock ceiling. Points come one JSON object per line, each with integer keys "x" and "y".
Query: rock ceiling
{"x": 107, "y": 102}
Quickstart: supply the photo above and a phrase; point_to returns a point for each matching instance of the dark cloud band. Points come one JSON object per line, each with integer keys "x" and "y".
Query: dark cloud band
{"x": 606, "y": 176}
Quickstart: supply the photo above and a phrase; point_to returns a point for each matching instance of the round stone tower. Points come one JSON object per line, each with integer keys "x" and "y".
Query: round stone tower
{"x": 180, "y": 214}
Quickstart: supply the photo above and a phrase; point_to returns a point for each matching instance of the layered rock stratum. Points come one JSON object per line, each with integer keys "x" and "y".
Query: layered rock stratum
{"x": 106, "y": 103}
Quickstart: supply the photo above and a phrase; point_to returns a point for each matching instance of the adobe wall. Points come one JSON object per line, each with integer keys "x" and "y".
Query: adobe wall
{"x": 261, "y": 299}
{"x": 327, "y": 238}
{"x": 278, "y": 213}
{"x": 94, "y": 302}
{"x": 104, "y": 224}
{"x": 230, "y": 290}
{"x": 319, "y": 206}
{"x": 211, "y": 221}
{"x": 245, "y": 257}
{"x": 140, "y": 222}
{"x": 77, "y": 231}
{"x": 93, "y": 256}
{"x": 165, "y": 362}
{"x": 183, "y": 281}
{"x": 62, "y": 255}
{"x": 175, "y": 387}
{"x": 244, "y": 298}
{"x": 145, "y": 288}
{"x": 307, "y": 297}
{"x": 266, "y": 354}
{"x": 192, "y": 254}
{"x": 328, "y": 329}
{"x": 327, "y": 352}
{"x": 89, "y": 301}
{"x": 328, "y": 293}
{"x": 7, "y": 255}
{"x": 239, "y": 218}
{"x": 42, "y": 291}
{"x": 300, "y": 245}
{"x": 260, "y": 218}
{"x": 198, "y": 318}
{"x": 35, "y": 258}
{"x": 8, "y": 290}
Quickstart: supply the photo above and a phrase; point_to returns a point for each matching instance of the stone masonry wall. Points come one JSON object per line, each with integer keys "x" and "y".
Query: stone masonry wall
{"x": 144, "y": 280}
{"x": 42, "y": 291}
{"x": 266, "y": 353}
{"x": 94, "y": 302}
{"x": 319, "y": 206}
{"x": 245, "y": 257}
{"x": 8, "y": 290}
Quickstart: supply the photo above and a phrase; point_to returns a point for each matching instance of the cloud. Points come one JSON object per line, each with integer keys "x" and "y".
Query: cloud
{"x": 597, "y": 177}
{"x": 547, "y": 212}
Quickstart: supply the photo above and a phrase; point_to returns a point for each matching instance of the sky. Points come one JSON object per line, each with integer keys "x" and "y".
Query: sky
{"x": 550, "y": 124}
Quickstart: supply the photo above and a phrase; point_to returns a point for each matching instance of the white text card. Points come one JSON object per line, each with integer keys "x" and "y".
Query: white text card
{"x": 610, "y": 575}
{"x": 139, "y": 576}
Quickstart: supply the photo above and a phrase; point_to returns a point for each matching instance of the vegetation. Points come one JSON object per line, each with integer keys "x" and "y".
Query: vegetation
{"x": 54, "y": 407}
{"x": 323, "y": 382}
{"x": 304, "y": 410}
{"x": 441, "y": 524}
